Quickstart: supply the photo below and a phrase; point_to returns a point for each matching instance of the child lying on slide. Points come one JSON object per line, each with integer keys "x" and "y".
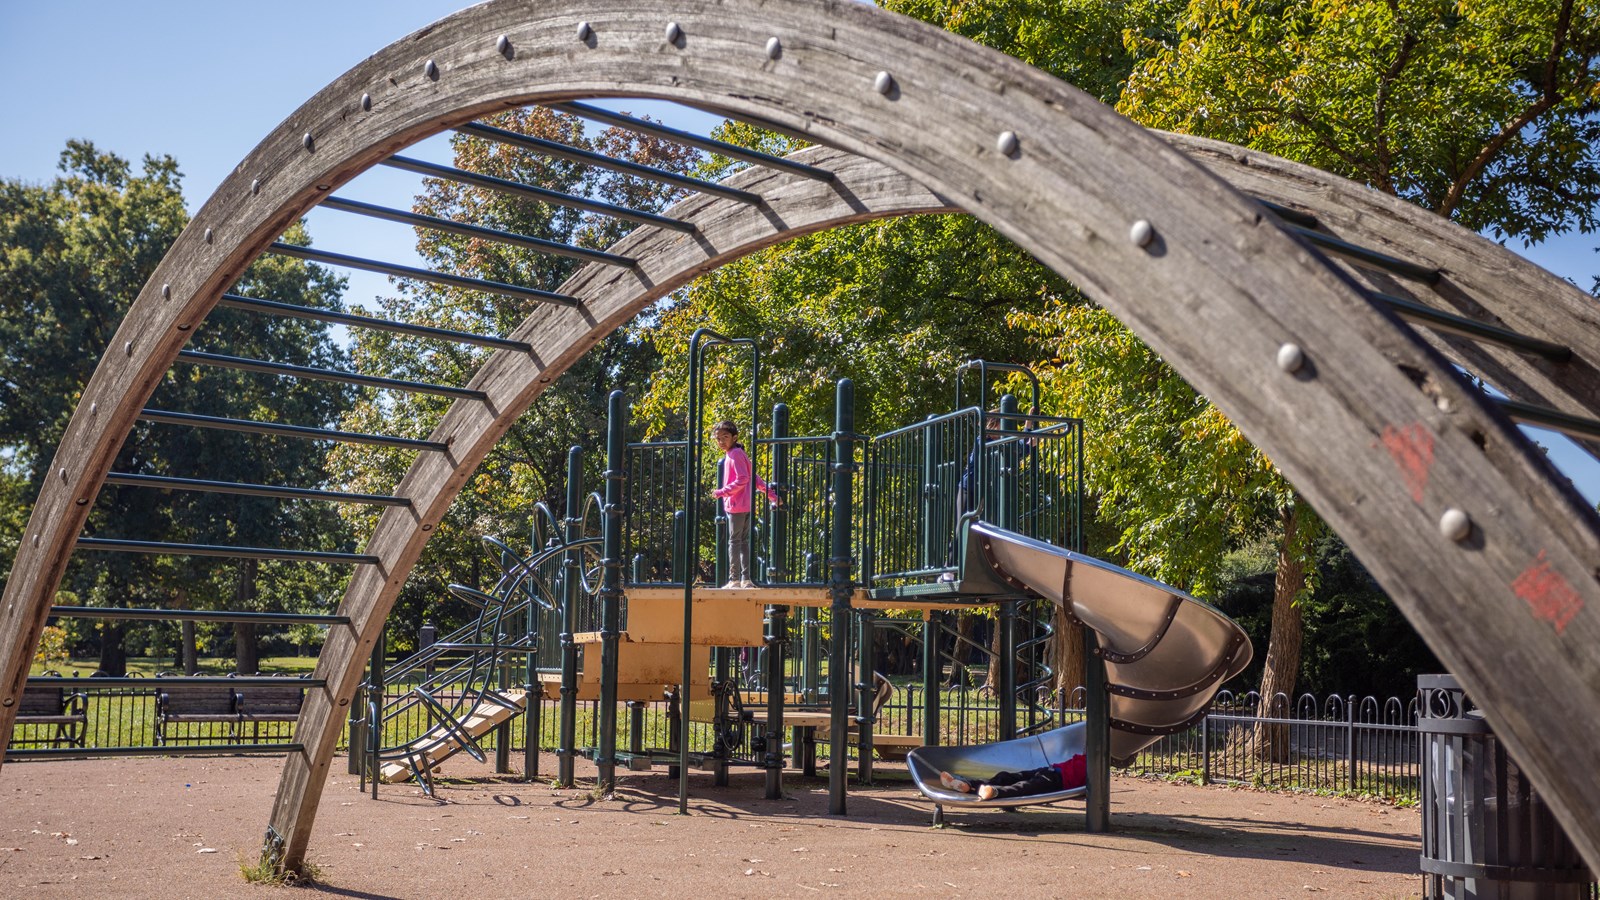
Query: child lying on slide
{"x": 1049, "y": 779}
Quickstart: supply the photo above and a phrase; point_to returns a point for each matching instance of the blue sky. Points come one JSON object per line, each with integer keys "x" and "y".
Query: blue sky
{"x": 205, "y": 80}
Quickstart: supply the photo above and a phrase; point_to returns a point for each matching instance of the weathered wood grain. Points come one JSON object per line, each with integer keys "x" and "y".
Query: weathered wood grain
{"x": 1377, "y": 430}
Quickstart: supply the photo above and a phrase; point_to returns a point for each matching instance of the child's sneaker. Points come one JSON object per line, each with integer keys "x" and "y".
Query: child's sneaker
{"x": 986, "y": 792}
{"x": 955, "y": 783}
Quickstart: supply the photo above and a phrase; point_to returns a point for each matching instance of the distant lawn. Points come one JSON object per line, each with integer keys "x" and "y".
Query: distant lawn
{"x": 216, "y": 665}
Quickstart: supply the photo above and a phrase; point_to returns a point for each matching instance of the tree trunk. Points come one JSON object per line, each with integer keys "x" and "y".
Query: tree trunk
{"x": 1066, "y": 654}
{"x": 991, "y": 682}
{"x": 113, "y": 658}
{"x": 189, "y": 655}
{"x": 246, "y": 655}
{"x": 1283, "y": 645}
{"x": 966, "y": 624}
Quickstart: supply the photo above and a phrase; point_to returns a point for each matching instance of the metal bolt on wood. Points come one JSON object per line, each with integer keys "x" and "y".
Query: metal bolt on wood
{"x": 128, "y": 348}
{"x": 1142, "y": 233}
{"x": 584, "y": 31}
{"x": 431, "y": 70}
{"x": 1291, "y": 358}
{"x": 309, "y": 142}
{"x": 366, "y": 102}
{"x": 1007, "y": 144}
{"x": 255, "y": 186}
{"x": 166, "y": 292}
{"x": 674, "y": 33}
{"x": 502, "y": 46}
{"x": 208, "y": 236}
{"x": 883, "y": 84}
{"x": 1455, "y": 525}
{"x": 774, "y": 48}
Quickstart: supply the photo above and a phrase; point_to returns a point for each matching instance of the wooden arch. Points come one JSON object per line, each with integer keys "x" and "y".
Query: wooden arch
{"x": 1374, "y": 426}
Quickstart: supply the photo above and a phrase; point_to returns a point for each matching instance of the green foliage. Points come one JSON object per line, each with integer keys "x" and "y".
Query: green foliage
{"x": 52, "y": 647}
{"x": 73, "y": 255}
{"x": 528, "y": 464}
{"x": 1484, "y": 112}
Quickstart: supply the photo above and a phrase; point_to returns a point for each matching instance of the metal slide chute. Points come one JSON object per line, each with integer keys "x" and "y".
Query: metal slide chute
{"x": 1166, "y": 654}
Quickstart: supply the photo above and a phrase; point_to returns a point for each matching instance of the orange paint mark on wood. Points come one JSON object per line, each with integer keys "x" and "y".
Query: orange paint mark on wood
{"x": 1412, "y": 449}
{"x": 1550, "y": 596}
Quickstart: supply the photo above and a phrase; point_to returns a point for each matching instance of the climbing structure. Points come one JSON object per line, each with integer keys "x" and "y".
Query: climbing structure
{"x": 1326, "y": 320}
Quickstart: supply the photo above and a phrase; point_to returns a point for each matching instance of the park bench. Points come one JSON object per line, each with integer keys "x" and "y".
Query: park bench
{"x": 195, "y": 704}
{"x": 66, "y": 710}
{"x": 269, "y": 703}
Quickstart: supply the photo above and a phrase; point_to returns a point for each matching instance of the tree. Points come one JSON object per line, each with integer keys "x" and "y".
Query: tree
{"x": 529, "y": 464}
{"x": 73, "y": 255}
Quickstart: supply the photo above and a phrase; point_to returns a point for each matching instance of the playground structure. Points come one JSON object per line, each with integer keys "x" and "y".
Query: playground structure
{"x": 1325, "y": 320}
{"x": 970, "y": 508}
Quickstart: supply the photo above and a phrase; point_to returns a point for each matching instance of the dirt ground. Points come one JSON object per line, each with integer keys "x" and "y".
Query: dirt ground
{"x": 176, "y": 828}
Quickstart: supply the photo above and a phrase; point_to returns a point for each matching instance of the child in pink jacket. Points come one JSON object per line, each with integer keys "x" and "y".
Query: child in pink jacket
{"x": 736, "y": 496}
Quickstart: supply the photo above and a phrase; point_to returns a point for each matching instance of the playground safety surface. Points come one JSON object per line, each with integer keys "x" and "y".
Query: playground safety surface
{"x": 175, "y": 828}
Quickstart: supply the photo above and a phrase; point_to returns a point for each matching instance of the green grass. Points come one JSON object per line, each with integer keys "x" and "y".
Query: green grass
{"x": 211, "y": 665}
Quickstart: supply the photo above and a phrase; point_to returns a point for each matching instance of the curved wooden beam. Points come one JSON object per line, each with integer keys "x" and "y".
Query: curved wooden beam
{"x": 1376, "y": 428}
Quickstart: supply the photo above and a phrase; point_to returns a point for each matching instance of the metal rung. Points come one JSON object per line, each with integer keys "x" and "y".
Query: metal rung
{"x": 1366, "y": 256}
{"x": 721, "y": 148}
{"x": 191, "y": 680}
{"x": 1545, "y": 417}
{"x": 195, "y": 615}
{"x": 417, "y": 220}
{"x": 235, "y": 301}
{"x": 537, "y": 193}
{"x": 562, "y": 151}
{"x": 162, "y": 750}
{"x": 250, "y": 490}
{"x": 271, "y": 368}
{"x": 1443, "y": 321}
{"x": 117, "y": 546}
{"x": 412, "y": 272}
{"x": 295, "y": 431}
{"x": 1290, "y": 214}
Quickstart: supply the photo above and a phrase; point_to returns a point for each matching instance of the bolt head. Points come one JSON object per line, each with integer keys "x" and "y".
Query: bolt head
{"x": 208, "y": 235}
{"x": 166, "y": 292}
{"x": 309, "y": 141}
{"x": 502, "y": 46}
{"x": 1007, "y": 143}
{"x": 1455, "y": 525}
{"x": 255, "y": 186}
{"x": 128, "y": 348}
{"x": 674, "y": 33}
{"x": 883, "y": 84}
{"x": 1291, "y": 358}
{"x": 585, "y": 31}
{"x": 774, "y": 48}
{"x": 366, "y": 102}
{"x": 1142, "y": 233}
{"x": 431, "y": 70}
{"x": 63, "y": 473}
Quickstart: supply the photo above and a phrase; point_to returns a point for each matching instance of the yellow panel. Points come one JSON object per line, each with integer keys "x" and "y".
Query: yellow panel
{"x": 721, "y": 618}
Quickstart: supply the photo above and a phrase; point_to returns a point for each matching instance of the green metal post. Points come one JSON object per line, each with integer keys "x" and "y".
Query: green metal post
{"x": 866, "y": 692}
{"x": 933, "y": 552}
{"x": 932, "y": 672}
{"x": 1005, "y": 514}
{"x": 840, "y": 585}
{"x": 572, "y": 587}
{"x": 777, "y": 616}
{"x": 611, "y": 588}
{"x": 375, "y": 709}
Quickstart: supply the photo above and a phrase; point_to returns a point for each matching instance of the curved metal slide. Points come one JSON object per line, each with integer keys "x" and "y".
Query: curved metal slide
{"x": 1166, "y": 655}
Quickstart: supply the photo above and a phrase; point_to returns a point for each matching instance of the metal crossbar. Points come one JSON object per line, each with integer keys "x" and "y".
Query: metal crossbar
{"x": 721, "y": 148}
{"x": 120, "y": 546}
{"x": 166, "y": 417}
{"x": 588, "y": 157}
{"x": 1443, "y": 321}
{"x": 429, "y": 275}
{"x": 250, "y": 490}
{"x": 546, "y": 195}
{"x": 271, "y": 368}
{"x": 195, "y": 615}
{"x": 1366, "y": 255}
{"x": 1544, "y": 417}
{"x": 418, "y": 220}
{"x": 353, "y": 320}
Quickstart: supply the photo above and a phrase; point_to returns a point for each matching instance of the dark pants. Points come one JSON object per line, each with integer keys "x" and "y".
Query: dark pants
{"x": 1022, "y": 784}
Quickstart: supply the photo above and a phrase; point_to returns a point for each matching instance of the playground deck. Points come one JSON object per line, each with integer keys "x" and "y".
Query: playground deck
{"x": 141, "y": 828}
